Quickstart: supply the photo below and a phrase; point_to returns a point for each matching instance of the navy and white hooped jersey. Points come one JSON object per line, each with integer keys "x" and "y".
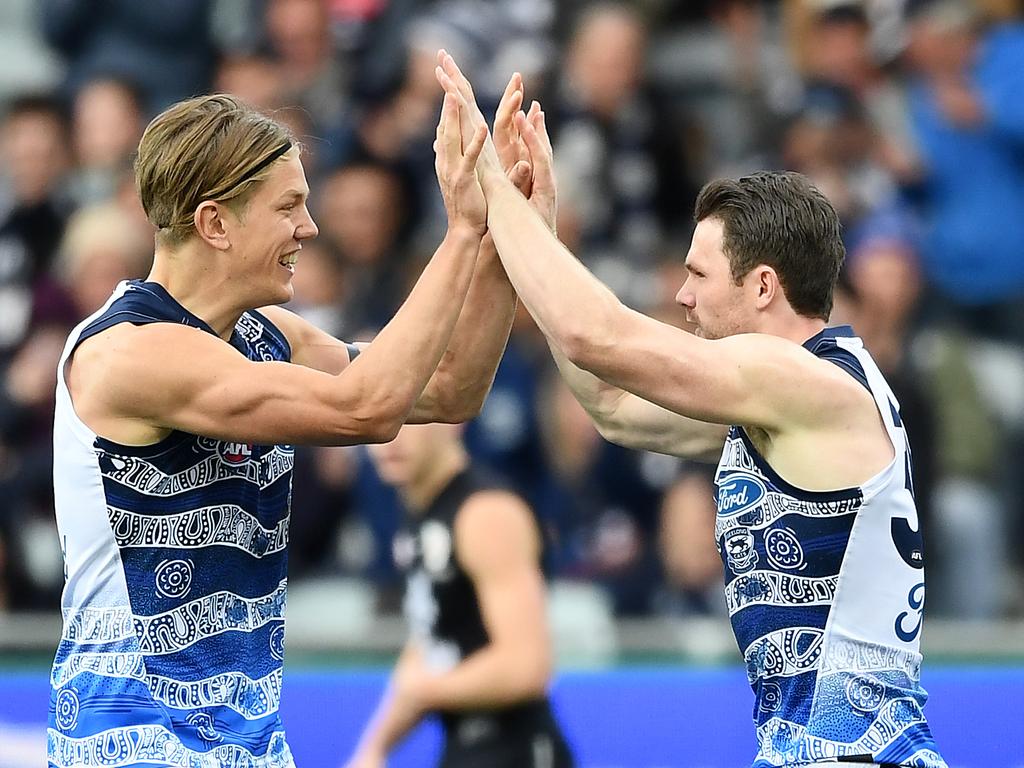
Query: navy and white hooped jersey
{"x": 176, "y": 568}
{"x": 825, "y": 592}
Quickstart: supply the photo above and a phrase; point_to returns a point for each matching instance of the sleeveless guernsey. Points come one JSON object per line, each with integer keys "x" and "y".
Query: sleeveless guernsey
{"x": 825, "y": 592}
{"x": 176, "y": 569}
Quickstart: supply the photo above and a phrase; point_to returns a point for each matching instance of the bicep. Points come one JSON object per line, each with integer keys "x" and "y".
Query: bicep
{"x": 750, "y": 379}
{"x": 184, "y": 379}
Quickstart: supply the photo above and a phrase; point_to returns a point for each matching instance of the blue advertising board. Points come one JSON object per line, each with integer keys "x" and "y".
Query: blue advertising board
{"x": 650, "y": 717}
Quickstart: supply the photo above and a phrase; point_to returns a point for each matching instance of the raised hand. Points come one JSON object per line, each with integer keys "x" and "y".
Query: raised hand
{"x": 456, "y": 156}
{"x": 512, "y": 152}
{"x": 543, "y": 195}
{"x": 471, "y": 118}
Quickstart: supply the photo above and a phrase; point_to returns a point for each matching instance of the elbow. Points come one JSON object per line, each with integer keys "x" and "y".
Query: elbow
{"x": 533, "y": 674}
{"x": 578, "y": 345}
{"x": 589, "y": 343}
{"x": 535, "y": 677}
{"x": 379, "y": 419}
{"x": 457, "y": 400}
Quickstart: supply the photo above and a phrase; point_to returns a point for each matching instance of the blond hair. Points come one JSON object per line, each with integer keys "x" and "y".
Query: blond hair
{"x": 206, "y": 148}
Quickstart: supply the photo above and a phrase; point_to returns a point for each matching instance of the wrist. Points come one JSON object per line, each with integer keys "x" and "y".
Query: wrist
{"x": 492, "y": 180}
{"x": 464, "y": 233}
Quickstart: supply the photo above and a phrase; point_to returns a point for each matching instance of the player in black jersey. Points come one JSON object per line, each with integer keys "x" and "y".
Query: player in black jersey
{"x": 479, "y": 653}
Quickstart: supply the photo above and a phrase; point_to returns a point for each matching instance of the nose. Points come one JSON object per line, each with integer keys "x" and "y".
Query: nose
{"x": 685, "y": 296}
{"x": 307, "y": 228}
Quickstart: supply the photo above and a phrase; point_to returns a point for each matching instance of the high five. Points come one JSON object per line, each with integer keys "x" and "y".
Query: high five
{"x": 814, "y": 476}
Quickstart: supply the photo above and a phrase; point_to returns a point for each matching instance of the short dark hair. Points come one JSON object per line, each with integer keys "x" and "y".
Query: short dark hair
{"x": 36, "y": 104}
{"x": 783, "y": 221}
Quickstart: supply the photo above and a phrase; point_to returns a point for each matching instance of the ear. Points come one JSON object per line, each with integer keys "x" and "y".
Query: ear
{"x": 211, "y": 225}
{"x": 766, "y": 283}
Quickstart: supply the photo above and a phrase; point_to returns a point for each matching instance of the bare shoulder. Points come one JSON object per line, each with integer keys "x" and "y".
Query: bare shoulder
{"x": 114, "y": 375}
{"x": 493, "y": 528}
{"x": 798, "y": 388}
{"x": 126, "y": 350}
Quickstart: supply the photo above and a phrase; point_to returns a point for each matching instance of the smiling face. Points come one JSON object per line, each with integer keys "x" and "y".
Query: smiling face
{"x": 266, "y": 233}
{"x": 716, "y": 305}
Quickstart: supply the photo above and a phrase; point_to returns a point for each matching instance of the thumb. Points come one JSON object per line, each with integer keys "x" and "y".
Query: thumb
{"x": 520, "y": 175}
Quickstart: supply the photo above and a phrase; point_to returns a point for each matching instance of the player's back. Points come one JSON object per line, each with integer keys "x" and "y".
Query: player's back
{"x": 825, "y": 591}
{"x": 176, "y": 570}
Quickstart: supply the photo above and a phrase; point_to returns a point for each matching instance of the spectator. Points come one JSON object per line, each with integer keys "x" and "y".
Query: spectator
{"x": 622, "y": 182}
{"x": 163, "y": 45}
{"x": 107, "y": 125}
{"x": 362, "y": 208}
{"x": 299, "y": 36}
{"x": 693, "y": 567}
{"x": 968, "y": 111}
{"x": 33, "y": 141}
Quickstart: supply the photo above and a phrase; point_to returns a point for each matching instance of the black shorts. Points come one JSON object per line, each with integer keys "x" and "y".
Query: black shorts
{"x": 523, "y": 737}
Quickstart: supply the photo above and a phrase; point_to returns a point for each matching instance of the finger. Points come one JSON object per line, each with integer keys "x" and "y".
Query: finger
{"x": 540, "y": 125}
{"x": 450, "y": 138}
{"x": 472, "y": 153}
{"x": 521, "y": 148}
{"x": 510, "y": 103}
{"x": 462, "y": 83}
{"x": 505, "y": 135}
{"x": 534, "y": 109}
{"x": 539, "y": 155}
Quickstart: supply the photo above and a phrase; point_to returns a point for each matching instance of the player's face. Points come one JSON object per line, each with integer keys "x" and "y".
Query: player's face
{"x": 410, "y": 455}
{"x": 269, "y": 234}
{"x": 713, "y": 301}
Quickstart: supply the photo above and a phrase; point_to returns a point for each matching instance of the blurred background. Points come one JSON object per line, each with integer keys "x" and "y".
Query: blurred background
{"x": 909, "y": 114}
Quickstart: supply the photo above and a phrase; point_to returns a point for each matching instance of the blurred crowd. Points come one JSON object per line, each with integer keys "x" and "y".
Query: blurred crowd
{"x": 909, "y": 114}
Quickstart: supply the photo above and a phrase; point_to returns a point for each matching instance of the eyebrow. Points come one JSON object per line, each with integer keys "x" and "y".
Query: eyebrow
{"x": 293, "y": 194}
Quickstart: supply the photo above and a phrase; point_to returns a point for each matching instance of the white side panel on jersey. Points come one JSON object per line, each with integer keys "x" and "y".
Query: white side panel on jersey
{"x": 873, "y": 558}
{"x": 91, "y": 559}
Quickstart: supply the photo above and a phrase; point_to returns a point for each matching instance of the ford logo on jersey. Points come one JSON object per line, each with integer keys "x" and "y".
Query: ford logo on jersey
{"x": 739, "y": 492}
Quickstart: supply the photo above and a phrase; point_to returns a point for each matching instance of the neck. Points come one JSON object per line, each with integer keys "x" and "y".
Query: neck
{"x": 794, "y": 327}
{"x": 193, "y": 277}
{"x": 422, "y": 491}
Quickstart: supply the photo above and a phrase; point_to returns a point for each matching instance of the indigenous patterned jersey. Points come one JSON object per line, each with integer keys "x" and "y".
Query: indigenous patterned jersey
{"x": 176, "y": 570}
{"x": 825, "y": 591}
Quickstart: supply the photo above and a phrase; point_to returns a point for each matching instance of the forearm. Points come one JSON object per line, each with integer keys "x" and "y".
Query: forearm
{"x": 490, "y": 678}
{"x": 571, "y": 306}
{"x": 394, "y": 717}
{"x": 406, "y": 352}
{"x": 391, "y": 723}
{"x": 458, "y": 388}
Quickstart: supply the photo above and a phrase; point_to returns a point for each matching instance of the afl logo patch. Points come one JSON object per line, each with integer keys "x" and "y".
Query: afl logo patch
{"x": 739, "y": 492}
{"x": 235, "y": 453}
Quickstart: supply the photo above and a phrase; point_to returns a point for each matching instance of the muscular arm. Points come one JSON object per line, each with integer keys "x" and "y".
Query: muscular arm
{"x": 177, "y": 377}
{"x": 754, "y": 380}
{"x": 457, "y": 390}
{"x": 497, "y": 543}
{"x": 633, "y": 422}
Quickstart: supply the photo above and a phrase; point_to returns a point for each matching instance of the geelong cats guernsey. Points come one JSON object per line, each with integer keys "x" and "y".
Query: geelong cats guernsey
{"x": 176, "y": 570}
{"x": 825, "y": 591}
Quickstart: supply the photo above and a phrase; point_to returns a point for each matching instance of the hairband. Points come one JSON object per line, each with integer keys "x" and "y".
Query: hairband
{"x": 261, "y": 165}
